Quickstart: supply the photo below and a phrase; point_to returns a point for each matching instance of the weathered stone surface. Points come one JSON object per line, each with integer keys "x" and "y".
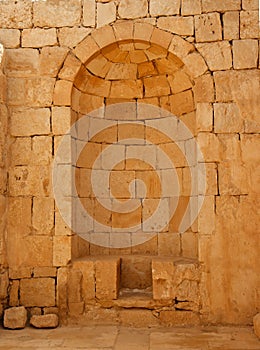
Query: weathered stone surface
{"x": 106, "y": 13}
{"x": 37, "y": 292}
{"x": 61, "y": 250}
{"x": 190, "y": 7}
{"x": 227, "y": 5}
{"x": 204, "y": 116}
{"x": 107, "y": 278}
{"x": 4, "y": 282}
{"x": 231, "y": 25}
{"x": 178, "y": 318}
{"x": 177, "y": 24}
{"x": 249, "y": 24}
{"x": 14, "y": 293}
{"x": 39, "y": 37}
{"x": 10, "y": 38}
{"x": 256, "y": 321}
{"x": 56, "y": 14}
{"x": 208, "y": 27}
{"x": 227, "y": 118}
{"x": 217, "y": 55}
{"x": 45, "y": 321}
{"x": 132, "y": 9}
{"x": 204, "y": 89}
{"x": 51, "y": 60}
{"x": 245, "y": 53}
{"x": 164, "y": 7}
{"x": 22, "y": 62}
{"x": 89, "y": 13}
{"x": 250, "y": 4}
{"x": 43, "y": 215}
{"x": 16, "y": 14}
{"x": 71, "y": 37}
{"x": 44, "y": 272}
{"x": 15, "y": 317}
{"x": 88, "y": 278}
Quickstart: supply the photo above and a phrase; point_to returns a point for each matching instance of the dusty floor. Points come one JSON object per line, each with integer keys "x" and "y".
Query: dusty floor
{"x": 123, "y": 338}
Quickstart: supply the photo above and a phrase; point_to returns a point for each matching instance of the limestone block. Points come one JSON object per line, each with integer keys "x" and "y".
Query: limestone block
{"x": 233, "y": 178}
{"x": 179, "y": 82}
{"x": 122, "y": 71}
{"x": 204, "y": 115}
{"x": 76, "y": 309}
{"x": 43, "y": 215}
{"x": 71, "y": 37}
{"x": 204, "y": 89}
{"x": 19, "y": 220}
{"x": 162, "y": 273}
{"x": 62, "y": 93}
{"x": 227, "y": 5}
{"x": 37, "y": 121}
{"x": 217, "y": 55}
{"x": 44, "y": 321}
{"x": 209, "y": 145}
{"x": 250, "y": 4}
{"x": 37, "y": 292}
{"x": 70, "y": 68}
{"x": 33, "y": 92}
{"x": 249, "y": 24}
{"x": 4, "y": 282}
{"x": 16, "y": 14}
{"x": 177, "y": 24}
{"x": 230, "y": 147}
{"x": 208, "y": 27}
{"x": 15, "y": 317}
{"x": 106, "y": 13}
{"x": 189, "y": 244}
{"x": 61, "y": 228}
{"x": 51, "y": 60}
{"x": 86, "y": 49}
{"x": 156, "y": 86}
{"x": 169, "y": 244}
{"x": 74, "y": 286}
{"x": 143, "y": 31}
{"x": 44, "y": 272}
{"x": 164, "y": 7}
{"x": 227, "y": 118}
{"x": 146, "y": 69}
{"x": 22, "y": 62}
{"x": 107, "y": 278}
{"x": 56, "y": 14}
{"x": 61, "y": 250}
{"x": 190, "y": 7}
{"x": 231, "y": 25}
{"x": 180, "y": 47}
{"x": 51, "y": 310}
{"x": 245, "y": 53}
{"x": 123, "y": 30}
{"x": 89, "y": 13}
{"x": 126, "y": 89}
{"x": 62, "y": 285}
{"x": 38, "y": 37}
{"x": 20, "y": 272}
{"x": 132, "y": 9}
{"x": 195, "y": 64}
{"x": 206, "y": 218}
{"x": 29, "y": 181}
{"x": 161, "y": 38}
{"x": 87, "y": 269}
{"x": 249, "y": 148}
{"x": 223, "y": 85}
{"x": 41, "y": 150}
{"x": 100, "y": 87}
{"x": 14, "y": 293}
{"x": 10, "y": 38}
{"x": 178, "y": 318}
{"x": 61, "y": 117}
{"x": 256, "y": 322}
{"x": 182, "y": 103}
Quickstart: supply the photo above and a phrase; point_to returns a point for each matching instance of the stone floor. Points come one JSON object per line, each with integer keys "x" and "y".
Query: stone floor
{"x": 123, "y": 338}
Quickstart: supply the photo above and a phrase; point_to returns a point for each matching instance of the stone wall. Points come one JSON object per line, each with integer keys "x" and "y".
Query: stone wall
{"x": 47, "y": 43}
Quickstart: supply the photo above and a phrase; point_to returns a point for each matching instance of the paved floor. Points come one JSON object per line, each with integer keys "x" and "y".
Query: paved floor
{"x": 123, "y": 338}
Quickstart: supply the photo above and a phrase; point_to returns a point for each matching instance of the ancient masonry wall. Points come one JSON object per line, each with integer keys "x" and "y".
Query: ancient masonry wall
{"x": 46, "y": 43}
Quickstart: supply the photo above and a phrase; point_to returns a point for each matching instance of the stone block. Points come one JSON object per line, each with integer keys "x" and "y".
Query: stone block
{"x": 31, "y": 92}
{"x": 179, "y": 82}
{"x": 70, "y": 68}
{"x": 61, "y": 118}
{"x": 22, "y": 62}
{"x": 62, "y": 93}
{"x": 162, "y": 274}
{"x": 227, "y": 118}
{"x": 87, "y": 269}
{"x": 177, "y": 24}
{"x": 76, "y": 309}
{"x": 250, "y": 4}
{"x": 62, "y": 294}
{"x": 37, "y": 122}
{"x": 204, "y": 116}
{"x": 10, "y": 38}
{"x": 177, "y": 318}
{"x": 74, "y": 286}
{"x": 14, "y": 293}
{"x": 126, "y": 89}
{"x": 195, "y": 64}
{"x": 160, "y": 38}
{"x": 44, "y": 272}
{"x": 43, "y": 215}
{"x": 217, "y": 55}
{"x": 227, "y": 5}
{"x": 182, "y": 103}
{"x": 51, "y": 60}
{"x": 4, "y": 282}
{"x": 16, "y": 14}
{"x": 107, "y": 278}
{"x": 164, "y": 7}
{"x": 137, "y": 318}
{"x": 56, "y": 14}
{"x": 233, "y": 178}
{"x": 38, "y": 37}
{"x": 143, "y": 31}
{"x": 204, "y": 89}
{"x": 256, "y": 322}
{"x": 15, "y": 317}
{"x": 41, "y": 150}
{"x": 190, "y": 7}
{"x": 249, "y": 148}
{"x": 206, "y": 218}
{"x": 89, "y": 13}
{"x": 249, "y": 24}
{"x": 86, "y": 49}
{"x": 208, "y": 27}
{"x": 133, "y": 9}
{"x": 61, "y": 250}
{"x": 106, "y": 13}
{"x": 122, "y": 71}
{"x": 37, "y": 292}
{"x": 169, "y": 244}
{"x": 156, "y": 86}
{"x": 231, "y": 25}
{"x": 124, "y": 31}
{"x": 19, "y": 220}
{"x": 245, "y": 53}
{"x": 20, "y": 272}
{"x": 71, "y": 37}
{"x": 44, "y": 321}
{"x": 51, "y": 310}
{"x": 210, "y": 147}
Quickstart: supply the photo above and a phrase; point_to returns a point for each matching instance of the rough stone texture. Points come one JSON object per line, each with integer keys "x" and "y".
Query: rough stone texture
{"x": 164, "y": 7}
{"x": 10, "y": 38}
{"x": 37, "y": 292}
{"x": 39, "y": 37}
{"x": 217, "y": 55}
{"x": 227, "y": 5}
{"x": 15, "y": 317}
{"x": 208, "y": 27}
{"x": 256, "y": 322}
{"x": 15, "y": 14}
{"x": 106, "y": 13}
{"x": 89, "y": 13}
{"x": 72, "y": 36}
{"x": 107, "y": 278}
{"x": 45, "y": 321}
{"x": 245, "y": 53}
{"x": 249, "y": 24}
{"x": 231, "y": 25}
{"x": 177, "y": 24}
{"x": 132, "y": 9}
